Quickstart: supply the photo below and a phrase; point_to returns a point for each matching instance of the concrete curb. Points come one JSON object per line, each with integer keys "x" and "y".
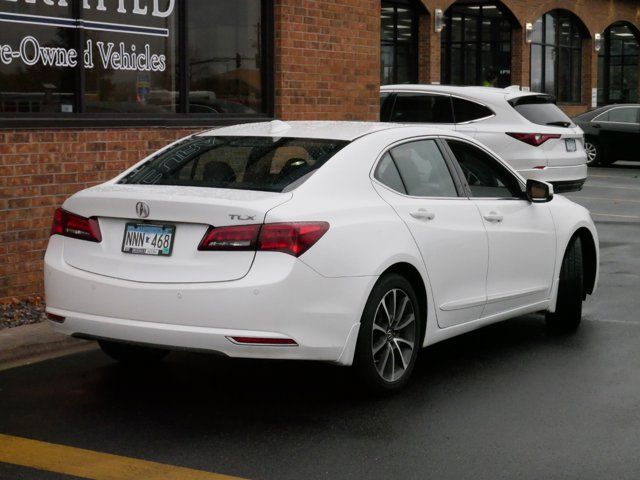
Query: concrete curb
{"x": 34, "y": 343}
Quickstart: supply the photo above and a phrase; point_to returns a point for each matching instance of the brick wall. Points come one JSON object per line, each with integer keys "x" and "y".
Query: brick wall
{"x": 38, "y": 171}
{"x": 327, "y": 64}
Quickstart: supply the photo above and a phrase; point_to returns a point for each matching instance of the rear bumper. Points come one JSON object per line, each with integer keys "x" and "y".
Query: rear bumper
{"x": 564, "y": 179}
{"x": 281, "y": 297}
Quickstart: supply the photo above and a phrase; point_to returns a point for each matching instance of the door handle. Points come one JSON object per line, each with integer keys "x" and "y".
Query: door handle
{"x": 423, "y": 214}
{"x": 493, "y": 217}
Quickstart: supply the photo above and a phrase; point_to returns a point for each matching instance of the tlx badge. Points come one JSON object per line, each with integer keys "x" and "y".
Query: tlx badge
{"x": 243, "y": 218}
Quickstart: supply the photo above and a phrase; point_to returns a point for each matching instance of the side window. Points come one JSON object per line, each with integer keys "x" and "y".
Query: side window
{"x": 423, "y": 169}
{"x": 623, "y": 115}
{"x": 386, "y": 102}
{"x": 485, "y": 176}
{"x": 466, "y": 111}
{"x": 387, "y": 173}
{"x": 422, "y": 108}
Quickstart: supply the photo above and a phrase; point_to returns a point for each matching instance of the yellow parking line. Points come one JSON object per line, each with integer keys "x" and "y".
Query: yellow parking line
{"x": 92, "y": 465}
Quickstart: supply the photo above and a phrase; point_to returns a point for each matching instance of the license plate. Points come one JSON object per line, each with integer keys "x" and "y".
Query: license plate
{"x": 148, "y": 239}
{"x": 570, "y": 143}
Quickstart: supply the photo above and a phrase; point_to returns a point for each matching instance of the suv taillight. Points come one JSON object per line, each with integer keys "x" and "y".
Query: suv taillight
{"x": 71, "y": 225}
{"x": 535, "y": 139}
{"x": 293, "y": 238}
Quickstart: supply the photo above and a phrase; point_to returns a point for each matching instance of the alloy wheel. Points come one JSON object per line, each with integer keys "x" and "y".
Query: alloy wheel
{"x": 592, "y": 152}
{"x": 393, "y": 335}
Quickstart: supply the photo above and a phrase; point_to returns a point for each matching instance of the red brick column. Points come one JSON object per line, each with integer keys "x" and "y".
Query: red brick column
{"x": 327, "y": 59}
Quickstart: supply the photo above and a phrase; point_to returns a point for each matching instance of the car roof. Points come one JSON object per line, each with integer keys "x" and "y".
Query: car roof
{"x": 486, "y": 93}
{"x": 333, "y": 130}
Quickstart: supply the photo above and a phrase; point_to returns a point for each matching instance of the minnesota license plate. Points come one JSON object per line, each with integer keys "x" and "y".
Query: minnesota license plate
{"x": 148, "y": 239}
{"x": 570, "y": 143}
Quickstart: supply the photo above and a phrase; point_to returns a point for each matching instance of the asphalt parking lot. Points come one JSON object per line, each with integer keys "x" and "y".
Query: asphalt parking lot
{"x": 510, "y": 401}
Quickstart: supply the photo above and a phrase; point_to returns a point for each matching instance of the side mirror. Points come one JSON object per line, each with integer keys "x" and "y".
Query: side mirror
{"x": 539, "y": 192}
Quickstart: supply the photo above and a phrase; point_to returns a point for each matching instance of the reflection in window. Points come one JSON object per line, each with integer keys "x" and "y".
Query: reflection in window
{"x": 618, "y": 66}
{"x": 399, "y": 48}
{"x": 134, "y": 57}
{"x": 225, "y": 62}
{"x": 132, "y": 73}
{"x": 556, "y": 56}
{"x": 36, "y": 88}
{"x": 476, "y": 46}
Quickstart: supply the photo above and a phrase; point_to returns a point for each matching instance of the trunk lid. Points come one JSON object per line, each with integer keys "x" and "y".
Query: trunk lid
{"x": 190, "y": 209}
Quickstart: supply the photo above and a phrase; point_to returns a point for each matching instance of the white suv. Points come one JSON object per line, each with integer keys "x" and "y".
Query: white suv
{"x": 526, "y": 129}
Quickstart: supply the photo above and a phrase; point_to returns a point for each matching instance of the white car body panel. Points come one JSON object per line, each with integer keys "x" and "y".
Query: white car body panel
{"x": 197, "y": 300}
{"x": 550, "y": 162}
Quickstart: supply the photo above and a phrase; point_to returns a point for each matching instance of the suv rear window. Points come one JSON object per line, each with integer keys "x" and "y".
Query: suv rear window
{"x": 541, "y": 109}
{"x": 242, "y": 163}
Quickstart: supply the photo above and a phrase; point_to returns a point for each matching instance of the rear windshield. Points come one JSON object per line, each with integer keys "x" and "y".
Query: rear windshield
{"x": 540, "y": 109}
{"x": 243, "y": 163}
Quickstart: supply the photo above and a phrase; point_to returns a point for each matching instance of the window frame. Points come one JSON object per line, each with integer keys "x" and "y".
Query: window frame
{"x": 545, "y": 44}
{"x": 447, "y": 43}
{"x": 178, "y": 119}
{"x": 414, "y": 43}
{"x": 606, "y": 56}
{"x": 449, "y": 162}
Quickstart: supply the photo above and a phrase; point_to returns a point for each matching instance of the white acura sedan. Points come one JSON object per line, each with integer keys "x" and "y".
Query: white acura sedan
{"x": 352, "y": 243}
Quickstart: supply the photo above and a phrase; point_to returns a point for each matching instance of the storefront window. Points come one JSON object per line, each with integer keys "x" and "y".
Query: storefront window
{"x": 556, "y": 56}
{"x": 618, "y": 66}
{"x": 35, "y": 59}
{"x": 399, "y": 49}
{"x": 132, "y": 73}
{"x": 224, "y": 50}
{"x": 134, "y": 57}
{"x": 476, "y": 46}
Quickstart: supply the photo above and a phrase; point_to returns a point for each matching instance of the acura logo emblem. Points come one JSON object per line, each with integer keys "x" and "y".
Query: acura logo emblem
{"x": 142, "y": 209}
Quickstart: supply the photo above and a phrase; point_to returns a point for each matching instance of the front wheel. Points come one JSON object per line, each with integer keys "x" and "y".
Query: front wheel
{"x": 568, "y": 312}
{"x": 127, "y": 353}
{"x": 389, "y": 337}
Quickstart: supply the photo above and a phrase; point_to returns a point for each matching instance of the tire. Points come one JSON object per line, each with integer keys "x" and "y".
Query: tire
{"x": 570, "y": 291}
{"x": 128, "y": 353}
{"x": 594, "y": 152}
{"x": 389, "y": 338}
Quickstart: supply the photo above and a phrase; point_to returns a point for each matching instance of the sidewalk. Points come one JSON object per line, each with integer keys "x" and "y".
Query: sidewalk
{"x": 34, "y": 343}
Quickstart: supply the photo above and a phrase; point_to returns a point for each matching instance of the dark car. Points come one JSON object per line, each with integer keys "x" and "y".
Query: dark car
{"x": 611, "y": 133}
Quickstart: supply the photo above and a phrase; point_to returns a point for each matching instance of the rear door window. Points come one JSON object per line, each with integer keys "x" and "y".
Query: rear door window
{"x": 541, "y": 109}
{"x": 620, "y": 115}
{"x": 422, "y": 169}
{"x": 468, "y": 111}
{"x": 422, "y": 108}
{"x": 243, "y": 163}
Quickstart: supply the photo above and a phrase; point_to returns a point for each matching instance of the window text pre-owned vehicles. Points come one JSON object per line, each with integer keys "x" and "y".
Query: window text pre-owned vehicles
{"x": 353, "y": 243}
{"x": 611, "y": 133}
{"x": 526, "y": 129}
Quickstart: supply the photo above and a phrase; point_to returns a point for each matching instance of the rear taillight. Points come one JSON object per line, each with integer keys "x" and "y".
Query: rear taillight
{"x": 292, "y": 238}
{"x": 535, "y": 139}
{"x": 243, "y": 237}
{"x": 71, "y": 225}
